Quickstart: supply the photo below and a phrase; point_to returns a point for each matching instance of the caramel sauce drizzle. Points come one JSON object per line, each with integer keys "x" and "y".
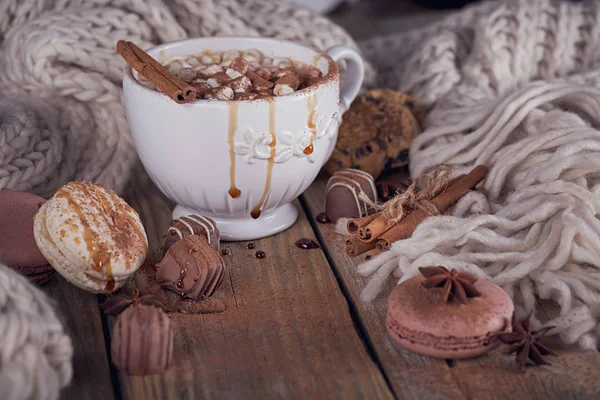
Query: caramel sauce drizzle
{"x": 311, "y": 104}
{"x": 98, "y": 251}
{"x": 233, "y": 112}
{"x": 270, "y": 162}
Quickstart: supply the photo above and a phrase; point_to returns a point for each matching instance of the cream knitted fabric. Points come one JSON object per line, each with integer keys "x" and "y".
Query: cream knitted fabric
{"x": 61, "y": 115}
{"x": 35, "y": 351}
{"x": 515, "y": 86}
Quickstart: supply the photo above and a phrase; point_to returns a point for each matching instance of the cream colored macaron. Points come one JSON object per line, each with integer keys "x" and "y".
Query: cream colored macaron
{"x": 91, "y": 236}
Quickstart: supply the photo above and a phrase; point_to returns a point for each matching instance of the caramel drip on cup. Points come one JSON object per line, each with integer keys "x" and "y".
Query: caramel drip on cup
{"x": 233, "y": 112}
{"x": 270, "y": 162}
{"x": 311, "y": 103}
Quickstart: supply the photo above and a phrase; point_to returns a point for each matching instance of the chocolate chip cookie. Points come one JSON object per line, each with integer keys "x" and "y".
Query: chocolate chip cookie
{"x": 376, "y": 132}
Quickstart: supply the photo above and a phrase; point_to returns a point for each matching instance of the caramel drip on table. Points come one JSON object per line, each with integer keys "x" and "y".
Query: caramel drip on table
{"x": 270, "y": 162}
{"x": 233, "y": 112}
{"x": 311, "y": 103}
{"x": 98, "y": 251}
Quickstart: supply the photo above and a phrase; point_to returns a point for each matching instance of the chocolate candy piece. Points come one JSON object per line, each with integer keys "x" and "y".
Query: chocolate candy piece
{"x": 343, "y": 191}
{"x": 191, "y": 268}
{"x": 142, "y": 341}
{"x": 192, "y": 224}
{"x": 17, "y": 243}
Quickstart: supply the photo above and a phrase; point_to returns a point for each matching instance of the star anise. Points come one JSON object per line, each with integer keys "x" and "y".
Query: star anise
{"x": 117, "y": 303}
{"x": 459, "y": 285}
{"x": 526, "y": 343}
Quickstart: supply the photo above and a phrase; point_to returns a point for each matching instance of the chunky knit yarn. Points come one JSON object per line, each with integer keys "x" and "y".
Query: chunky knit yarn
{"x": 515, "y": 86}
{"x": 35, "y": 351}
{"x": 61, "y": 114}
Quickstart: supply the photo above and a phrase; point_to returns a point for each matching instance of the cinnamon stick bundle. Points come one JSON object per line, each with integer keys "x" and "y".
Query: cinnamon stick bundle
{"x": 152, "y": 70}
{"x": 355, "y": 247}
{"x": 451, "y": 195}
{"x": 355, "y": 224}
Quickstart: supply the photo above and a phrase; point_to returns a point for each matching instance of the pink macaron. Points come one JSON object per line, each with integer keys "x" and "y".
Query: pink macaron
{"x": 419, "y": 319}
{"x": 17, "y": 243}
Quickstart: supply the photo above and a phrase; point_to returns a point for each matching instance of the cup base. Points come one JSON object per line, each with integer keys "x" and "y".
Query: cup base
{"x": 237, "y": 229}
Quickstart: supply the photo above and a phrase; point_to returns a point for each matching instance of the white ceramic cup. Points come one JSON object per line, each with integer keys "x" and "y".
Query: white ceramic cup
{"x": 198, "y": 153}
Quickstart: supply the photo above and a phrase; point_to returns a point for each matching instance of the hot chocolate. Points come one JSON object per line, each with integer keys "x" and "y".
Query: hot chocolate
{"x": 240, "y": 75}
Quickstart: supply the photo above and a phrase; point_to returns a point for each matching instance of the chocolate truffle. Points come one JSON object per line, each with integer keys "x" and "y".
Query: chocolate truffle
{"x": 420, "y": 319}
{"x": 191, "y": 268}
{"x": 142, "y": 341}
{"x": 17, "y": 242}
{"x": 343, "y": 190}
{"x": 192, "y": 224}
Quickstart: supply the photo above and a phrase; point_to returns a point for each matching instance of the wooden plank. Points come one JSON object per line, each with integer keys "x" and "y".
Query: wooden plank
{"x": 410, "y": 375}
{"x": 572, "y": 375}
{"x": 287, "y": 332}
{"x": 79, "y": 312}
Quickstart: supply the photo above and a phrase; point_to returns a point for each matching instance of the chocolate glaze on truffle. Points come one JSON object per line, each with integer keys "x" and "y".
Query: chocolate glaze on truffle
{"x": 17, "y": 243}
{"x": 192, "y": 224}
{"x": 142, "y": 341}
{"x": 343, "y": 190}
{"x": 191, "y": 268}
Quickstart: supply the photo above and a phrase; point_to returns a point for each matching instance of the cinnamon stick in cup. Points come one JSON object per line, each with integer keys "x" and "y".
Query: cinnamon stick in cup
{"x": 152, "y": 70}
{"x": 355, "y": 247}
{"x": 451, "y": 195}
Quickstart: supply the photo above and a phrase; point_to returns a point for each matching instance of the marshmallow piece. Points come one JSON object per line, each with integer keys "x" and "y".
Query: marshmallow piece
{"x": 240, "y": 85}
{"x": 193, "y": 62}
{"x": 210, "y": 57}
{"x": 278, "y": 73}
{"x": 258, "y": 82}
{"x": 218, "y": 79}
{"x": 263, "y": 72}
{"x": 224, "y": 93}
{"x": 245, "y": 96}
{"x": 201, "y": 89}
{"x": 240, "y": 65}
{"x": 187, "y": 74}
{"x": 211, "y": 70}
{"x": 282, "y": 62}
{"x": 228, "y": 56}
{"x": 253, "y": 56}
{"x": 287, "y": 84}
{"x": 267, "y": 61}
{"x": 175, "y": 66}
{"x": 91, "y": 236}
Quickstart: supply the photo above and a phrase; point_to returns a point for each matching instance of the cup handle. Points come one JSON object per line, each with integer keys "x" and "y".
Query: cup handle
{"x": 355, "y": 73}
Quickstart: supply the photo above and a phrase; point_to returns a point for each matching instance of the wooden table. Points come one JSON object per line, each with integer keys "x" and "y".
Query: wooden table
{"x": 296, "y": 328}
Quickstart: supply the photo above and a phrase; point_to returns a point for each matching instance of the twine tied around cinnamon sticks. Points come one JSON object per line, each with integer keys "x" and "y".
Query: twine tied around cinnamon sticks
{"x": 431, "y": 184}
{"x": 399, "y": 217}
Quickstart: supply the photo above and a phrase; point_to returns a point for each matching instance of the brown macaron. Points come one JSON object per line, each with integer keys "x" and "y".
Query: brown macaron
{"x": 17, "y": 242}
{"x": 39, "y": 275}
{"x": 419, "y": 319}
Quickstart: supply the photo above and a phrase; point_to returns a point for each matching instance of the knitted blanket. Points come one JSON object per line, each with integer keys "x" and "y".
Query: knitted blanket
{"x": 61, "y": 113}
{"x": 515, "y": 86}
